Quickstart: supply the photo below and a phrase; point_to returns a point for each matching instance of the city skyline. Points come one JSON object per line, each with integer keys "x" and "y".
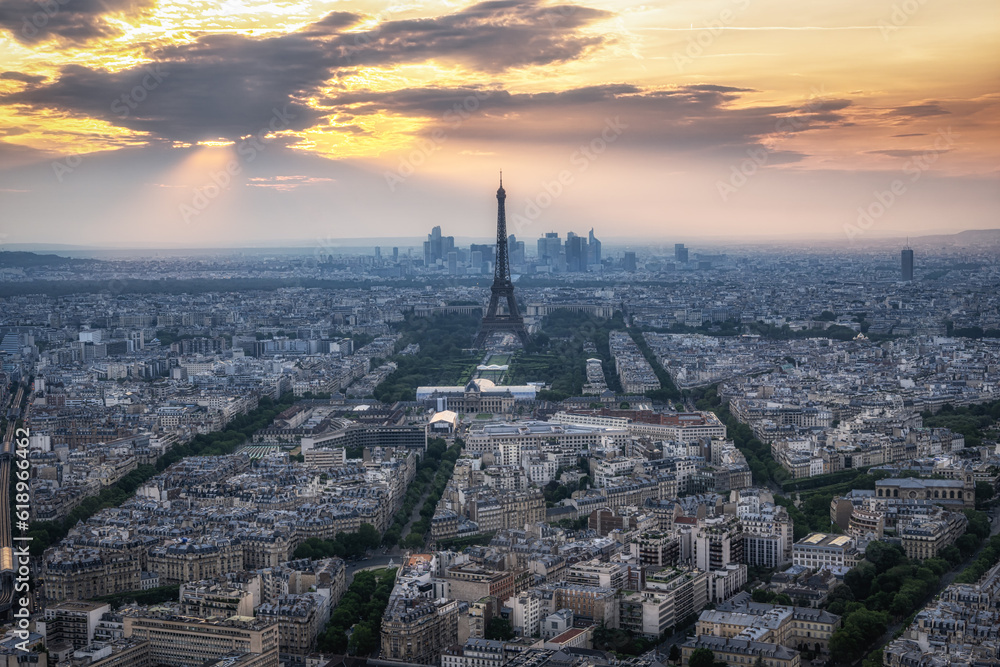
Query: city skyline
{"x": 141, "y": 124}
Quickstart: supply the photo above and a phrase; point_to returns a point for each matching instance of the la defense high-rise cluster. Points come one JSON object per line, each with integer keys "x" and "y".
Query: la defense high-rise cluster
{"x": 502, "y": 315}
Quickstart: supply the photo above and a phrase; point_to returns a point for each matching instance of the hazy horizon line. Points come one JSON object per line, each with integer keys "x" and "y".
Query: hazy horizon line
{"x": 416, "y": 241}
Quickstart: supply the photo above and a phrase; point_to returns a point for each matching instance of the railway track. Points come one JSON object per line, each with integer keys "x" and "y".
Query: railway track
{"x": 8, "y": 566}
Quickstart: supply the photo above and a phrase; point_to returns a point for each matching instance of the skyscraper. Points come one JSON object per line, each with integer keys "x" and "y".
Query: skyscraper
{"x": 593, "y": 248}
{"x": 549, "y": 247}
{"x": 680, "y": 253}
{"x": 437, "y": 247}
{"x": 516, "y": 250}
{"x": 576, "y": 253}
{"x": 629, "y": 262}
{"x": 907, "y": 259}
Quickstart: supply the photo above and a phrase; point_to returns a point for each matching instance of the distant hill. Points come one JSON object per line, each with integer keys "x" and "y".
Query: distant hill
{"x": 970, "y": 237}
{"x": 26, "y": 260}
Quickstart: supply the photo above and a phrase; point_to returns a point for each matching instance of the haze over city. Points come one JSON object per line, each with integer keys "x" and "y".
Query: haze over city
{"x": 176, "y": 124}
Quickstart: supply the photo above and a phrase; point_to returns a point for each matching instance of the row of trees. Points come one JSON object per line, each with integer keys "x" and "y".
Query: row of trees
{"x": 758, "y": 455}
{"x": 668, "y": 390}
{"x": 433, "y": 473}
{"x": 361, "y": 608}
{"x": 989, "y": 557}
{"x": 971, "y": 421}
{"x": 445, "y": 357}
{"x": 343, "y": 545}
{"x": 238, "y": 431}
{"x": 887, "y": 585}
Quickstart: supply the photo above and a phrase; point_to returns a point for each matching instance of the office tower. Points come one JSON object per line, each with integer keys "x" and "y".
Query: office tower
{"x": 488, "y": 251}
{"x": 452, "y": 263}
{"x": 437, "y": 247}
{"x": 503, "y": 288}
{"x": 680, "y": 253}
{"x": 395, "y": 254}
{"x": 593, "y": 248}
{"x": 907, "y": 257}
{"x": 576, "y": 253}
{"x": 549, "y": 247}
{"x": 477, "y": 261}
{"x": 516, "y": 250}
{"x": 378, "y": 255}
{"x": 629, "y": 262}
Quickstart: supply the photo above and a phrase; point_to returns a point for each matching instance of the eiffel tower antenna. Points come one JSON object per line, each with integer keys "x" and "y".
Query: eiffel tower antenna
{"x": 503, "y": 288}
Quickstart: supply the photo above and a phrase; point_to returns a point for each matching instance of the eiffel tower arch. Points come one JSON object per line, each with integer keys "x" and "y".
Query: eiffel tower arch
{"x": 502, "y": 314}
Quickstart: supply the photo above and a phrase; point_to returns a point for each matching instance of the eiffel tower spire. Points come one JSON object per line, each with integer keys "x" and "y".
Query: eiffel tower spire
{"x": 502, "y": 290}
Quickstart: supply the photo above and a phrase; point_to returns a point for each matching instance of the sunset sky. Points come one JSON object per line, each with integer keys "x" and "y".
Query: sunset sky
{"x": 178, "y": 123}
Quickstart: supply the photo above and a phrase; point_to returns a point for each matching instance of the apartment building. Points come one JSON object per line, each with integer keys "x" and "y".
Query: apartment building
{"x": 418, "y": 630}
{"x": 179, "y": 641}
{"x": 72, "y": 622}
{"x": 821, "y": 550}
{"x": 300, "y": 619}
{"x": 925, "y": 536}
{"x": 81, "y": 574}
{"x": 475, "y": 652}
{"x": 183, "y": 560}
{"x": 736, "y": 651}
{"x": 784, "y": 625}
{"x": 596, "y": 573}
{"x": 717, "y": 542}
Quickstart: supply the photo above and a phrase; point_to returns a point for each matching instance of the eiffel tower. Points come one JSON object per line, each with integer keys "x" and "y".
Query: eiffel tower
{"x": 503, "y": 289}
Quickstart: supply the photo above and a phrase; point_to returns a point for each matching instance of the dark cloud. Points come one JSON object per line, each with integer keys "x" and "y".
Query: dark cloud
{"x": 334, "y": 21}
{"x": 440, "y": 101}
{"x": 74, "y": 21}
{"x": 22, "y": 77}
{"x": 919, "y": 110}
{"x": 911, "y": 134}
{"x": 489, "y": 36}
{"x": 230, "y": 86}
{"x": 687, "y": 117}
{"x": 905, "y": 152}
